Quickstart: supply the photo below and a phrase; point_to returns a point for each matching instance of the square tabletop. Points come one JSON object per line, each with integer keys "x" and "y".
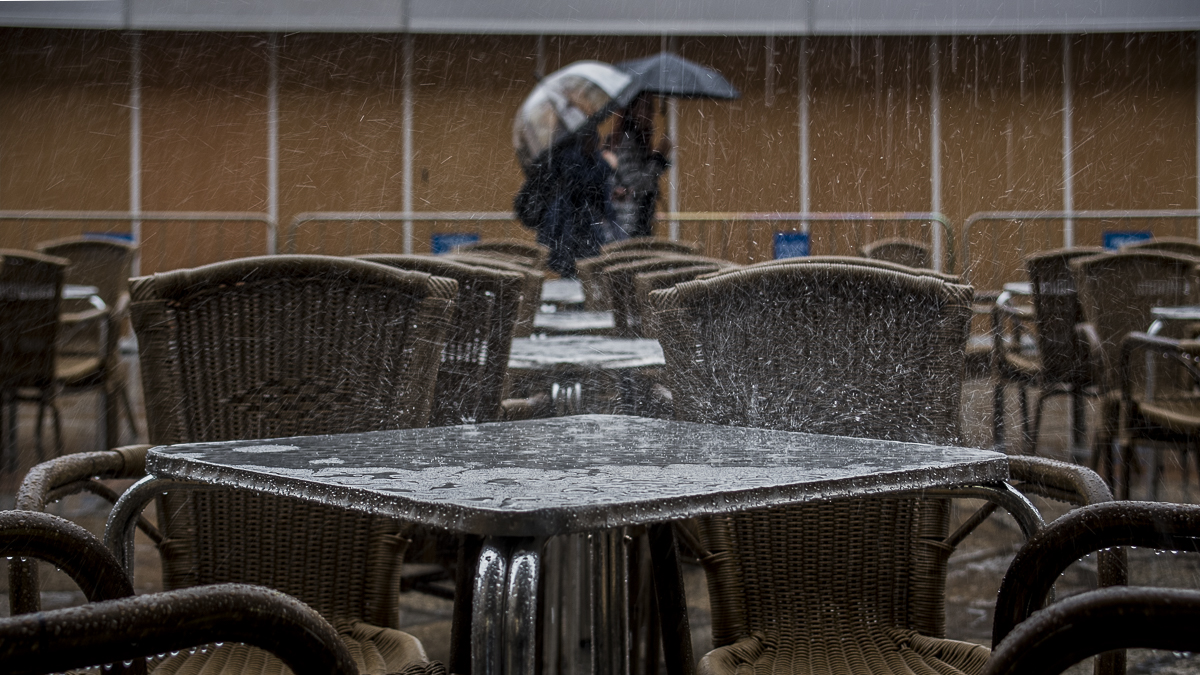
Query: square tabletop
{"x": 541, "y": 478}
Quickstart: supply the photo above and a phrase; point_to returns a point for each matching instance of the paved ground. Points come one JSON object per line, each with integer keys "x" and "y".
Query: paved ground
{"x": 975, "y": 570}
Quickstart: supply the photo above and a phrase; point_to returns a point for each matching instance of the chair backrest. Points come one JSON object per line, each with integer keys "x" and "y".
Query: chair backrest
{"x": 101, "y": 262}
{"x": 832, "y": 348}
{"x": 651, "y": 244}
{"x": 470, "y": 379}
{"x": 512, "y": 250}
{"x": 902, "y": 251}
{"x": 30, "y": 294}
{"x": 618, "y": 281}
{"x": 531, "y": 292}
{"x": 281, "y": 346}
{"x": 854, "y": 262}
{"x": 1180, "y": 245}
{"x": 1116, "y": 292}
{"x": 591, "y": 274}
{"x": 1056, "y": 313}
{"x": 647, "y": 282}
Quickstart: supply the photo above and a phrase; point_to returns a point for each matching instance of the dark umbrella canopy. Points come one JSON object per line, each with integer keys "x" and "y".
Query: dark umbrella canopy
{"x": 668, "y": 74}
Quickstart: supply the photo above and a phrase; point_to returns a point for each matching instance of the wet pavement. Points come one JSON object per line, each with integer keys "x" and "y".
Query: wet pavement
{"x": 975, "y": 569}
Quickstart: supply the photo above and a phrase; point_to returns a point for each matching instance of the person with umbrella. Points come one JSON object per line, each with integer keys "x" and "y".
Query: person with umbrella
{"x": 639, "y": 163}
{"x": 565, "y": 197}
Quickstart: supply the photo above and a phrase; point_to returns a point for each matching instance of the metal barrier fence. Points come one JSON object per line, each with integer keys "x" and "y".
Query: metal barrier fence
{"x": 941, "y": 240}
{"x": 136, "y": 219}
{"x": 987, "y": 264}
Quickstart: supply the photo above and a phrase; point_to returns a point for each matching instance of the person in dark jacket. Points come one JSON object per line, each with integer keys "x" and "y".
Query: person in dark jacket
{"x": 639, "y": 165}
{"x": 565, "y": 200}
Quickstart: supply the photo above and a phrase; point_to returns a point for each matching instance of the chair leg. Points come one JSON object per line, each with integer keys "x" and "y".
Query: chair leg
{"x": 58, "y": 439}
{"x": 1038, "y": 409}
{"x": 123, "y": 394}
{"x": 37, "y": 430}
{"x": 1078, "y": 426}
{"x": 998, "y": 417}
{"x": 8, "y": 429}
{"x": 1023, "y": 398}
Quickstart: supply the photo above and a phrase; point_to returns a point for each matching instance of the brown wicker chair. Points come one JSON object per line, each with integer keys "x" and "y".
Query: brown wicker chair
{"x": 619, "y": 281}
{"x": 1059, "y": 366}
{"x": 509, "y": 250}
{"x": 1110, "y": 619}
{"x": 470, "y": 379}
{"x": 30, "y": 299}
{"x": 647, "y": 282}
{"x": 1180, "y": 245}
{"x": 591, "y": 275}
{"x": 117, "y": 627}
{"x": 1116, "y": 292}
{"x": 658, "y": 244}
{"x": 104, "y": 263}
{"x": 531, "y": 292}
{"x": 835, "y": 348}
{"x": 899, "y": 250}
{"x": 265, "y": 348}
{"x": 1167, "y": 413}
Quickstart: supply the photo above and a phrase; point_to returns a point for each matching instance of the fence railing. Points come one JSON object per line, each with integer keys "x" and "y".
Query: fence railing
{"x": 1017, "y": 246}
{"x": 942, "y": 243}
{"x": 137, "y": 218}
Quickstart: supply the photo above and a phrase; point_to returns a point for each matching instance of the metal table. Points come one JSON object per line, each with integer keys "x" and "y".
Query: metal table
{"x": 568, "y": 323}
{"x": 517, "y": 484}
{"x": 89, "y": 293}
{"x": 562, "y": 293}
{"x": 586, "y": 373}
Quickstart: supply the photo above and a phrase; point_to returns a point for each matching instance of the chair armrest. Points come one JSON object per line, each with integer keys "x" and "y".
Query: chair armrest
{"x": 1067, "y": 632}
{"x": 132, "y": 628}
{"x": 45, "y": 481}
{"x": 52, "y": 480}
{"x": 1184, "y": 351}
{"x": 1083, "y": 531}
{"x": 1057, "y": 480}
{"x": 74, "y": 550}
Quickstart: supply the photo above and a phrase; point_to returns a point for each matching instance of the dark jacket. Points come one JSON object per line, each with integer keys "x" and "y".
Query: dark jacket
{"x": 565, "y": 200}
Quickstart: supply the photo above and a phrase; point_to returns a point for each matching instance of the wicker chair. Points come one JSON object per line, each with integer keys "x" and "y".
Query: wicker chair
{"x": 509, "y": 250}
{"x": 647, "y": 282}
{"x": 835, "y": 348}
{"x": 1166, "y": 413}
{"x": 30, "y": 297}
{"x": 1180, "y": 245}
{"x": 117, "y": 627}
{"x": 619, "y": 281}
{"x": 591, "y": 274}
{"x": 658, "y": 244}
{"x": 899, "y": 250}
{"x": 1116, "y": 292}
{"x": 531, "y": 292}
{"x": 104, "y": 263}
{"x": 470, "y": 380}
{"x": 265, "y": 348}
{"x": 1110, "y": 619}
{"x": 1059, "y": 366}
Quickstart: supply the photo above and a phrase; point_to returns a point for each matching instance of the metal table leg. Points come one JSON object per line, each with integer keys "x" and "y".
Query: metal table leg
{"x": 504, "y": 608}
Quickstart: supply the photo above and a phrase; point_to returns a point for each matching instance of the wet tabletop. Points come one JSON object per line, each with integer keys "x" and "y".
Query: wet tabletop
{"x": 573, "y": 322}
{"x": 594, "y": 351}
{"x": 572, "y": 474}
{"x": 562, "y": 292}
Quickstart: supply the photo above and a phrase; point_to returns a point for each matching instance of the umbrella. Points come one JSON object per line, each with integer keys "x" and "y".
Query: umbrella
{"x": 565, "y": 101}
{"x": 668, "y": 74}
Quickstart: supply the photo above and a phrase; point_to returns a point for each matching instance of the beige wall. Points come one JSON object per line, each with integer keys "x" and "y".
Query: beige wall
{"x": 65, "y": 133}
